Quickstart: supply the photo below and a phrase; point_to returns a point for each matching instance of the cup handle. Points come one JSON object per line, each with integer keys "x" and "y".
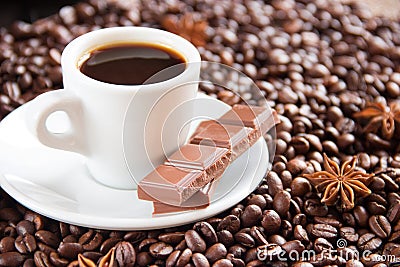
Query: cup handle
{"x": 43, "y": 106}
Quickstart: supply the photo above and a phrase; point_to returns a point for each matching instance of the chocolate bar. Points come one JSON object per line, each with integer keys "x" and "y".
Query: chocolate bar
{"x": 258, "y": 118}
{"x": 182, "y": 182}
{"x": 184, "y": 173}
{"x": 236, "y": 138}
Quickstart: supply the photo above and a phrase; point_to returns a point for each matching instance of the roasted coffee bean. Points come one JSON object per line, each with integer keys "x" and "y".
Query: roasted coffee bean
{"x": 255, "y": 263}
{"x": 296, "y": 166}
{"x": 13, "y": 259}
{"x": 145, "y": 244}
{"x": 199, "y": 260}
{"x": 294, "y": 208}
{"x": 75, "y": 230}
{"x": 300, "y": 144}
{"x": 225, "y": 237}
{"x": 321, "y": 244}
{"x": 314, "y": 207}
{"x": 41, "y": 259}
{"x": 181, "y": 246}
{"x": 287, "y": 228}
{"x": 277, "y": 239}
{"x": 281, "y": 203}
{"x": 25, "y": 227}
{"x": 300, "y": 186}
{"x": 144, "y": 259}
{"x": 328, "y": 220}
{"x": 302, "y": 264}
{"x": 109, "y": 243}
{"x": 216, "y": 252}
{"x": 274, "y": 183}
{"x": 349, "y": 234}
{"x": 207, "y": 232}
{"x": 25, "y": 244}
{"x": 171, "y": 238}
{"x": 369, "y": 242}
{"x": 237, "y": 211}
{"x": 251, "y": 215}
{"x": 93, "y": 255}
{"x": 324, "y": 230}
{"x": 45, "y": 248}
{"x": 160, "y": 250}
{"x": 9, "y": 214}
{"x": 380, "y": 226}
{"x": 286, "y": 178}
{"x": 230, "y": 223}
{"x": 223, "y": 263}
{"x": 64, "y": 229}
{"x": 301, "y": 234}
{"x": 7, "y": 244}
{"x": 244, "y": 239}
{"x": 271, "y": 221}
{"x": 69, "y": 250}
{"x": 134, "y": 236}
{"x": 258, "y": 235}
{"x": 184, "y": 258}
{"x": 47, "y": 238}
{"x": 300, "y": 219}
{"x": 293, "y": 245}
{"x": 194, "y": 241}
{"x": 10, "y": 231}
{"x": 172, "y": 258}
{"x": 349, "y": 219}
{"x": 125, "y": 254}
{"x": 71, "y": 239}
{"x": 214, "y": 221}
{"x": 56, "y": 260}
{"x": 393, "y": 213}
{"x": 258, "y": 200}
{"x": 237, "y": 251}
{"x": 375, "y": 208}
{"x": 91, "y": 240}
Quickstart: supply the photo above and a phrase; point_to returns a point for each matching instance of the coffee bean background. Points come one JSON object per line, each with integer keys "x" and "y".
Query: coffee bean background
{"x": 316, "y": 62}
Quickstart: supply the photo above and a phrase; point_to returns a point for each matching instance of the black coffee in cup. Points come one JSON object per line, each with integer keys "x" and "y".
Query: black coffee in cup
{"x": 132, "y": 63}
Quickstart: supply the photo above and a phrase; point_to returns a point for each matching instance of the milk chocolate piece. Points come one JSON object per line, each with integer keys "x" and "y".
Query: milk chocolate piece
{"x": 171, "y": 185}
{"x": 258, "y": 118}
{"x": 212, "y": 160}
{"x": 196, "y": 157}
{"x": 200, "y": 200}
{"x": 202, "y": 125}
{"x": 236, "y": 138}
{"x": 185, "y": 172}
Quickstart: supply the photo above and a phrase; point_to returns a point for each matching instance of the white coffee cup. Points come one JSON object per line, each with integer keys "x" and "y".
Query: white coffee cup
{"x": 97, "y": 110}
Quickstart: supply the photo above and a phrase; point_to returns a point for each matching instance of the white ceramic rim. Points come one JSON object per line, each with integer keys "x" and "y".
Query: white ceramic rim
{"x": 87, "y": 42}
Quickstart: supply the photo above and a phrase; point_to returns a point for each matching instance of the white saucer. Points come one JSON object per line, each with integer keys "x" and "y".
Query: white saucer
{"x": 57, "y": 184}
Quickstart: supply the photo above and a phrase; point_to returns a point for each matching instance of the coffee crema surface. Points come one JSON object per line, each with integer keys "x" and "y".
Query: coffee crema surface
{"x": 133, "y": 63}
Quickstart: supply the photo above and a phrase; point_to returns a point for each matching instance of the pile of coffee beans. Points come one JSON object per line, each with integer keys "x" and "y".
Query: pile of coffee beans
{"x": 316, "y": 62}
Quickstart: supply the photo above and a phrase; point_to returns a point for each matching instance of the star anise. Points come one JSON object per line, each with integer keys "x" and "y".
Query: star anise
{"x": 340, "y": 183}
{"x": 107, "y": 261}
{"x": 190, "y": 26}
{"x": 85, "y": 262}
{"x": 381, "y": 116}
